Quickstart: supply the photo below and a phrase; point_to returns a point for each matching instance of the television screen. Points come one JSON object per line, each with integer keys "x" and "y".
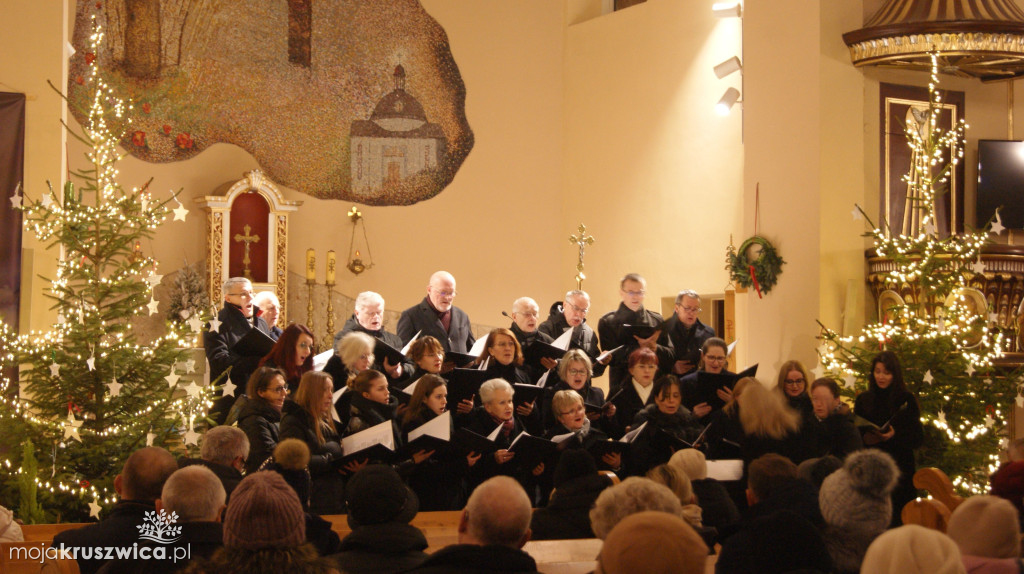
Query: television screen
{"x": 1001, "y": 182}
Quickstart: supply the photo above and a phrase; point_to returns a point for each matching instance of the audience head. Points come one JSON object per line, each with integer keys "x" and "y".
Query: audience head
{"x": 355, "y": 350}
{"x": 632, "y": 289}
{"x": 643, "y": 365}
{"x": 194, "y": 493}
{"x": 667, "y": 394}
{"x": 369, "y": 310}
{"x": 857, "y": 495}
{"x": 431, "y": 392}
{"x": 526, "y": 314}
{"x": 886, "y": 372}
{"x": 264, "y": 513}
{"x": 497, "y": 513}
{"x": 652, "y": 542}
{"x": 793, "y": 379}
{"x": 377, "y": 495}
{"x": 575, "y": 369}
{"x": 714, "y": 355}
{"x": 675, "y": 479}
{"x": 293, "y": 351}
{"x": 815, "y": 470}
{"x": 1015, "y": 451}
{"x": 144, "y": 474}
{"x": 496, "y": 397}
{"x": 825, "y": 397}
{"x": 238, "y": 292}
{"x": 291, "y": 461}
{"x": 267, "y": 385}
{"x": 630, "y": 496}
{"x": 226, "y": 445}
{"x": 766, "y": 474}
{"x": 572, "y": 464}
{"x": 985, "y": 526}
{"x": 765, "y": 413}
{"x": 575, "y": 307}
{"x": 687, "y": 307}
{"x": 270, "y": 306}
{"x": 913, "y": 549}
{"x": 692, "y": 462}
{"x": 372, "y": 385}
{"x": 568, "y": 408}
{"x": 427, "y": 353}
{"x": 503, "y": 347}
{"x": 441, "y": 290}
{"x": 316, "y": 396}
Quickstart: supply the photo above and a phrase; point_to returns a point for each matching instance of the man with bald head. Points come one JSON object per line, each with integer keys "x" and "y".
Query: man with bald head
{"x": 571, "y": 313}
{"x": 437, "y": 317}
{"x": 492, "y": 531}
{"x": 138, "y": 486}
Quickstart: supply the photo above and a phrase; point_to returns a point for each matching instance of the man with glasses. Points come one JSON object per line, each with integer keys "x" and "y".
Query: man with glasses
{"x": 686, "y": 332}
{"x": 615, "y": 331}
{"x": 369, "y": 318}
{"x": 571, "y": 313}
{"x": 437, "y": 317}
{"x": 234, "y": 321}
{"x": 525, "y": 323}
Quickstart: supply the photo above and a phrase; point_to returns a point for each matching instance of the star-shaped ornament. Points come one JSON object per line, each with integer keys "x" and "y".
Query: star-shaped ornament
{"x": 849, "y": 381}
{"x": 215, "y": 325}
{"x": 941, "y": 417}
{"x": 144, "y": 201}
{"x": 928, "y": 378}
{"x": 978, "y": 267}
{"x": 153, "y": 306}
{"x": 970, "y": 369}
{"x": 988, "y": 380}
{"x": 818, "y": 371}
{"x": 153, "y": 279}
{"x": 71, "y": 427}
{"x": 149, "y": 438}
{"x": 195, "y": 323}
{"x": 172, "y": 379}
{"x": 857, "y": 216}
{"x": 61, "y": 319}
{"x": 95, "y": 508}
{"x": 190, "y": 366}
{"x": 15, "y": 201}
{"x": 179, "y": 212}
{"x": 191, "y": 436}
{"x": 997, "y": 225}
{"x": 989, "y": 421}
{"x": 115, "y": 387}
{"x": 193, "y": 389}
{"x": 54, "y": 370}
{"x": 228, "y": 389}
{"x": 91, "y": 362}
{"x": 47, "y": 200}
{"x": 929, "y": 228}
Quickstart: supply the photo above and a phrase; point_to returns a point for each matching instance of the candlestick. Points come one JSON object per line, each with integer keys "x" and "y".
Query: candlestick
{"x": 332, "y": 264}
{"x": 310, "y": 265}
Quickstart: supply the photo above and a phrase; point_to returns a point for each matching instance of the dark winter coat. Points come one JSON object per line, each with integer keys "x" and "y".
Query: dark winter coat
{"x": 228, "y": 475}
{"x": 381, "y": 549}
{"x": 583, "y": 338}
{"x": 327, "y": 488}
{"x": 200, "y": 539}
{"x": 472, "y": 559}
{"x": 526, "y": 339}
{"x": 649, "y": 450}
{"x": 261, "y": 423}
{"x": 628, "y": 404}
{"x": 381, "y": 335}
{"x": 614, "y": 334}
{"x": 567, "y": 515}
{"x": 718, "y": 509}
{"x": 687, "y": 341}
{"x": 218, "y": 344}
{"x": 423, "y": 319}
{"x": 440, "y": 481}
{"x": 119, "y": 527}
{"x": 880, "y": 405}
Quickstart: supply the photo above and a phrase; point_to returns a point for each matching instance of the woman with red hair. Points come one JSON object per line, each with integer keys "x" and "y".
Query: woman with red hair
{"x": 293, "y": 354}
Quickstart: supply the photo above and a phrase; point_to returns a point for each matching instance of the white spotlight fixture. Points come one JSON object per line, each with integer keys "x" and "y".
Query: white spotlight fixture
{"x": 729, "y": 98}
{"x": 727, "y": 9}
{"x": 728, "y": 67}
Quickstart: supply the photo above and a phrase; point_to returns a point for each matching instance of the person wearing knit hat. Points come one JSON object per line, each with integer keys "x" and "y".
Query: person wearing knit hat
{"x": 856, "y": 504}
{"x": 652, "y": 542}
{"x": 986, "y": 530}
{"x": 577, "y": 486}
{"x": 264, "y": 531}
{"x": 913, "y": 549}
{"x": 718, "y": 510}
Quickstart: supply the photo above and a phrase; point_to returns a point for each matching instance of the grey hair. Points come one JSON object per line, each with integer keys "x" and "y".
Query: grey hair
{"x": 488, "y": 389}
{"x": 234, "y": 281}
{"x": 498, "y": 512}
{"x": 577, "y": 293}
{"x": 367, "y": 297}
{"x": 352, "y": 345}
{"x": 687, "y": 293}
{"x": 630, "y": 496}
{"x": 263, "y": 297}
{"x": 519, "y": 304}
{"x": 195, "y": 493}
{"x": 224, "y": 444}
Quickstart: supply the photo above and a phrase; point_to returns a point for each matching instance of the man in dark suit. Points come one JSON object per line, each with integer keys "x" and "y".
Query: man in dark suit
{"x": 614, "y": 331}
{"x": 234, "y": 321}
{"x": 437, "y": 317}
{"x": 572, "y": 314}
{"x": 686, "y": 332}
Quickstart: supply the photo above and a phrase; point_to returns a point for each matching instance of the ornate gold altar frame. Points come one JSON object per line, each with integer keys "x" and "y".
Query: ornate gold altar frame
{"x": 218, "y": 222}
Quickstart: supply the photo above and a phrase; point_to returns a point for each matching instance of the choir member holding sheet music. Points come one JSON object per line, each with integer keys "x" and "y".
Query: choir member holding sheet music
{"x": 569, "y": 317}
{"x": 308, "y": 418}
{"x": 671, "y": 427}
{"x": 440, "y": 480}
{"x": 353, "y": 355}
{"x": 428, "y": 356}
{"x": 636, "y": 393}
{"x": 495, "y": 419}
{"x": 525, "y": 320}
{"x": 574, "y": 373}
{"x": 292, "y": 353}
{"x": 714, "y": 358}
{"x": 571, "y": 415}
{"x": 437, "y": 317}
{"x": 369, "y": 318}
{"x": 632, "y": 326}
{"x": 502, "y": 358}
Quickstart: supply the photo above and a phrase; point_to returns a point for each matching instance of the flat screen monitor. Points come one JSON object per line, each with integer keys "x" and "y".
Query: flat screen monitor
{"x": 1001, "y": 182}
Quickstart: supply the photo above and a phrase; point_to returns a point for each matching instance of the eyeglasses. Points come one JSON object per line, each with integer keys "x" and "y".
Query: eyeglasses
{"x": 504, "y": 344}
{"x": 714, "y": 358}
{"x": 580, "y": 310}
{"x": 527, "y": 314}
{"x": 578, "y": 372}
{"x": 690, "y": 309}
{"x": 799, "y": 381}
{"x": 446, "y": 294}
{"x": 279, "y": 390}
{"x": 246, "y": 294}
{"x": 640, "y": 293}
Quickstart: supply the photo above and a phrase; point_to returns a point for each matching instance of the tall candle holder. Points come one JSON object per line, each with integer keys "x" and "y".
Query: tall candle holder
{"x": 332, "y": 265}
{"x": 310, "y": 283}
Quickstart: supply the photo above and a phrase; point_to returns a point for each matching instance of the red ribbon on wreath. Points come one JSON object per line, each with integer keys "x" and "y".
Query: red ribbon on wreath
{"x": 753, "y": 277}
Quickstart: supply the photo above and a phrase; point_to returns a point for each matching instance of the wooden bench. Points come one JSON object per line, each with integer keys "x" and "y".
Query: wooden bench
{"x": 46, "y": 532}
{"x": 27, "y": 558}
{"x": 938, "y": 485}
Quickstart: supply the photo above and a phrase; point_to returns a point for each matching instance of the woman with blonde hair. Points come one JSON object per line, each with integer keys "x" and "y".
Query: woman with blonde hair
{"x": 308, "y": 418}
{"x": 770, "y": 425}
{"x": 353, "y": 354}
{"x": 679, "y": 484}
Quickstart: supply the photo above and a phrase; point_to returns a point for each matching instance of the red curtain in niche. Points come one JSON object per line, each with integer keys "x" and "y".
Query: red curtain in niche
{"x": 252, "y": 210}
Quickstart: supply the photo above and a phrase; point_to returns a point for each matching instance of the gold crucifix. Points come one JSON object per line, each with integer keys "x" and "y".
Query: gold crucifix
{"x": 246, "y": 240}
{"x": 582, "y": 240}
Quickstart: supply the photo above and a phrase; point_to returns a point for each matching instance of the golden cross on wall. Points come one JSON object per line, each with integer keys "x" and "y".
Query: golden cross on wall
{"x": 581, "y": 240}
{"x": 245, "y": 240}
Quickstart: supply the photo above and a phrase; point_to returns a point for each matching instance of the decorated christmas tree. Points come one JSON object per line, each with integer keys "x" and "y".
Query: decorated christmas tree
{"x": 943, "y": 332}
{"x": 89, "y": 391}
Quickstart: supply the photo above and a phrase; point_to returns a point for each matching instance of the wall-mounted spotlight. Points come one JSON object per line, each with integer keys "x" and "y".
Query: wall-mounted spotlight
{"x": 729, "y": 98}
{"x": 727, "y": 9}
{"x": 727, "y": 67}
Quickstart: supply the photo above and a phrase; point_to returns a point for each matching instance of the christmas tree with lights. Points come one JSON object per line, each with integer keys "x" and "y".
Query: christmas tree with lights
{"x": 943, "y": 334}
{"x": 89, "y": 391}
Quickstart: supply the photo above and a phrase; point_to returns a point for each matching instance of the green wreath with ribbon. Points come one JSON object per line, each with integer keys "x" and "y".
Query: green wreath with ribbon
{"x": 762, "y": 272}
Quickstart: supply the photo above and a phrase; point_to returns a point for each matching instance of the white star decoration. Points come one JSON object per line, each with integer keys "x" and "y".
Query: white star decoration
{"x": 145, "y": 203}
{"x": 849, "y": 381}
{"x": 149, "y": 438}
{"x": 970, "y": 369}
{"x": 928, "y": 378}
{"x": 71, "y": 427}
{"x": 95, "y": 508}
{"x": 997, "y": 225}
{"x": 989, "y": 421}
{"x": 941, "y": 417}
{"x": 193, "y": 389}
{"x": 47, "y": 200}
{"x": 61, "y": 319}
{"x": 228, "y": 389}
{"x": 115, "y": 387}
{"x": 153, "y": 306}
{"x": 929, "y": 228}
{"x": 153, "y": 279}
{"x": 195, "y": 323}
{"x": 988, "y": 380}
{"x": 179, "y": 212}
{"x": 191, "y": 436}
{"x": 54, "y": 370}
{"x": 172, "y": 379}
{"x": 978, "y": 267}
{"x": 818, "y": 371}
{"x": 215, "y": 325}
{"x": 190, "y": 366}
{"x": 15, "y": 201}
